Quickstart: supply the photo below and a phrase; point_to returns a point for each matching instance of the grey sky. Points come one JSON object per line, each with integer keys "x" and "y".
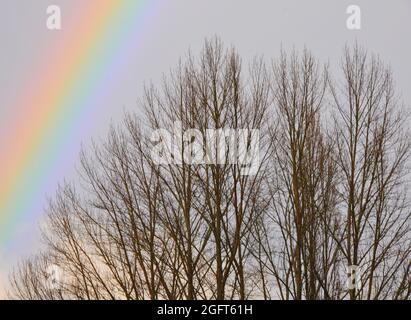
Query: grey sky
{"x": 258, "y": 27}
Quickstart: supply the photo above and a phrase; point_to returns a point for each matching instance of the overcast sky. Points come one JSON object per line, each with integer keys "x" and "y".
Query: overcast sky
{"x": 258, "y": 27}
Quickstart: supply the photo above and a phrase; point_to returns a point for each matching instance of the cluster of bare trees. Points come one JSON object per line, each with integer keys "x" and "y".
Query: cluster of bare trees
{"x": 330, "y": 192}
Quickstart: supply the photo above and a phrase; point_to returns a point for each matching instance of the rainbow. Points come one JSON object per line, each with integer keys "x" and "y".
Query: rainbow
{"x": 57, "y": 104}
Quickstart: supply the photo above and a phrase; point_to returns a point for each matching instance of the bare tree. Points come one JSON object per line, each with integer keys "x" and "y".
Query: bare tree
{"x": 373, "y": 149}
{"x": 34, "y": 279}
{"x": 163, "y": 211}
{"x": 175, "y": 230}
{"x": 301, "y": 256}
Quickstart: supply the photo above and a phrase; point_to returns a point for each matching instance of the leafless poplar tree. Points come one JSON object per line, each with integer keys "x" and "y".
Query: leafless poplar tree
{"x": 373, "y": 149}
{"x": 329, "y": 190}
{"x": 301, "y": 257}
